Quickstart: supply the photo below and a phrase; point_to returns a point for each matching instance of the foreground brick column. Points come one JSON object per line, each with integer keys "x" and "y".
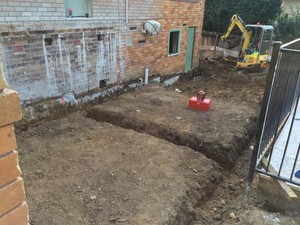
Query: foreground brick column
{"x": 2, "y": 81}
{"x": 13, "y": 208}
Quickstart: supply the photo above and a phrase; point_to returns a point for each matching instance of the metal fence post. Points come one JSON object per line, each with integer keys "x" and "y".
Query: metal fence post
{"x": 263, "y": 110}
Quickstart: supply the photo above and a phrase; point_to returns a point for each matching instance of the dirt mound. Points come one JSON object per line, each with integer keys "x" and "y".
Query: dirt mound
{"x": 220, "y": 133}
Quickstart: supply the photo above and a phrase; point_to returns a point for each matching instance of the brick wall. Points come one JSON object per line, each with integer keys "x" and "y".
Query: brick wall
{"x": 13, "y": 208}
{"x": 50, "y": 10}
{"x": 21, "y": 11}
{"x": 49, "y": 56}
{"x": 50, "y": 63}
{"x": 172, "y": 15}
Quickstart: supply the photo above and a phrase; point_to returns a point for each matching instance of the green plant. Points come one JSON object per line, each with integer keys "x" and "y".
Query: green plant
{"x": 219, "y": 12}
{"x": 287, "y": 26}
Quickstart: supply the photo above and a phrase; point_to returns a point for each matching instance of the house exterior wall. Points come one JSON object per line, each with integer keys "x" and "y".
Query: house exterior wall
{"x": 287, "y": 4}
{"x": 47, "y": 55}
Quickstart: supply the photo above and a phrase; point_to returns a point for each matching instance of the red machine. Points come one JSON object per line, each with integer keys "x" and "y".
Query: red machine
{"x": 200, "y": 102}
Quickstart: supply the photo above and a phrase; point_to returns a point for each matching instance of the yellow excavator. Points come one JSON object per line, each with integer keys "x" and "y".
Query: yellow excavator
{"x": 255, "y": 44}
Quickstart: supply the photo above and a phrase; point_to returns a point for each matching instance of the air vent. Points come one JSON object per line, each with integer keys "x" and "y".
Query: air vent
{"x": 132, "y": 28}
{"x": 48, "y": 41}
{"x": 102, "y": 83}
{"x": 100, "y": 37}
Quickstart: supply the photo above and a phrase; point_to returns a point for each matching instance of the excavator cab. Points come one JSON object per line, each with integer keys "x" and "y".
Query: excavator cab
{"x": 255, "y": 56}
{"x": 255, "y": 44}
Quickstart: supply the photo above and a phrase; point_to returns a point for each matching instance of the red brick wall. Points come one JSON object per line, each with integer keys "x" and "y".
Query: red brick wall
{"x": 172, "y": 16}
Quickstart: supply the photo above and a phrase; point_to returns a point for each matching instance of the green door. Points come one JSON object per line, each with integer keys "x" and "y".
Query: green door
{"x": 189, "y": 49}
{"x": 79, "y": 7}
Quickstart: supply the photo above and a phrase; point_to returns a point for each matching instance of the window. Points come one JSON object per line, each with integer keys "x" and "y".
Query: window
{"x": 174, "y": 42}
{"x": 77, "y": 8}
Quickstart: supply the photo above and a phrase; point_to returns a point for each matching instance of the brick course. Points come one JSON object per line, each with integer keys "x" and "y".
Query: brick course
{"x": 9, "y": 168}
{"x": 12, "y": 196}
{"x": 7, "y": 139}
{"x": 18, "y": 216}
{"x": 10, "y": 107}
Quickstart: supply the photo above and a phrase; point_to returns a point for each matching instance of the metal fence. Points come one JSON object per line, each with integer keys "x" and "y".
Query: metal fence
{"x": 277, "y": 147}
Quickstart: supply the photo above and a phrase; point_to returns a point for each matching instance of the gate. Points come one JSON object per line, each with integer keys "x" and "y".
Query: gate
{"x": 277, "y": 143}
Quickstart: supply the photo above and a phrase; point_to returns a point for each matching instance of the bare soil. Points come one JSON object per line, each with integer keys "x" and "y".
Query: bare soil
{"x": 80, "y": 171}
{"x": 221, "y": 133}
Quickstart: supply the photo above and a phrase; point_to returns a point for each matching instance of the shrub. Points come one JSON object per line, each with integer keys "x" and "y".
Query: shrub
{"x": 219, "y": 12}
{"x": 287, "y": 26}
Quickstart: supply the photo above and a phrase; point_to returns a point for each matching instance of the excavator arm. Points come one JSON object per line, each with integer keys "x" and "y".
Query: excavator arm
{"x": 237, "y": 21}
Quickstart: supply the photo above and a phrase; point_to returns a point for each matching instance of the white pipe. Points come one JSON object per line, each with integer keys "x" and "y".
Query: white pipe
{"x": 119, "y": 14}
{"x": 127, "y": 11}
{"x": 146, "y": 75}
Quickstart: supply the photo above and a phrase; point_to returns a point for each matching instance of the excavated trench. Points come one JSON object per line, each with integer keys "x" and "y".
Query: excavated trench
{"x": 109, "y": 175}
{"x": 225, "y": 155}
{"x": 220, "y": 134}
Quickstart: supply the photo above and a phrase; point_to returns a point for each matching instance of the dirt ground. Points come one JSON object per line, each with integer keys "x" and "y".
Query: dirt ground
{"x": 221, "y": 133}
{"x": 80, "y": 171}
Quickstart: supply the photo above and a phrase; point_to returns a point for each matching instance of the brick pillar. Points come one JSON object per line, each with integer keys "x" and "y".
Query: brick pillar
{"x": 13, "y": 208}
